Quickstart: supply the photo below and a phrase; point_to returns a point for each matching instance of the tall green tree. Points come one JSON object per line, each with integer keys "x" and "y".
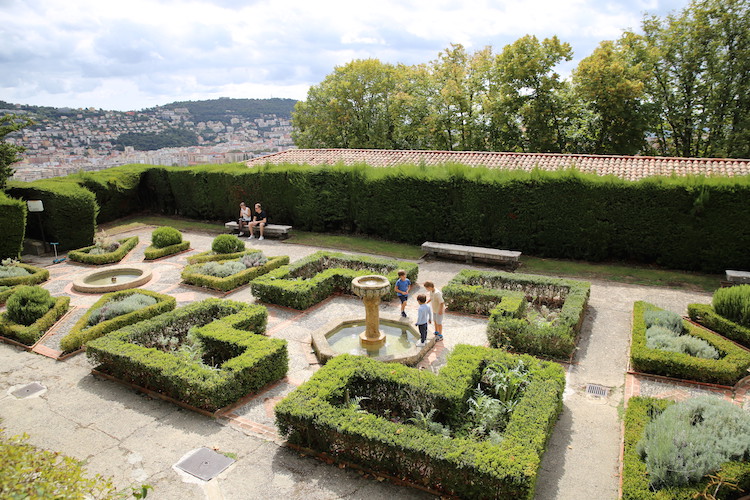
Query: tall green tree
{"x": 351, "y": 108}
{"x": 610, "y": 86}
{"x": 9, "y": 153}
{"x": 699, "y": 64}
{"x": 531, "y": 92}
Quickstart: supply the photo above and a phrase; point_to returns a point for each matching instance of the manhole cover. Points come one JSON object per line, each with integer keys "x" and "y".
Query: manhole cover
{"x": 205, "y": 464}
{"x": 597, "y": 390}
{"x": 28, "y": 390}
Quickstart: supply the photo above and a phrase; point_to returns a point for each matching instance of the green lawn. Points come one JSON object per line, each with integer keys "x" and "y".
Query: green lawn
{"x": 623, "y": 273}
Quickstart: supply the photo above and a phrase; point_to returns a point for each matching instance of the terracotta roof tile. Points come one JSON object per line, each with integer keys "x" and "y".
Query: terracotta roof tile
{"x": 626, "y": 167}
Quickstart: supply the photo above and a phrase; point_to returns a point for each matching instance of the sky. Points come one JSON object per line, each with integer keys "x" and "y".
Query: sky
{"x": 137, "y": 54}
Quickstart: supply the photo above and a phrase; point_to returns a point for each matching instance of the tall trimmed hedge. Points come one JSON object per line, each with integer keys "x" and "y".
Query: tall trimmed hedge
{"x": 682, "y": 223}
{"x": 69, "y": 215}
{"x": 12, "y": 226}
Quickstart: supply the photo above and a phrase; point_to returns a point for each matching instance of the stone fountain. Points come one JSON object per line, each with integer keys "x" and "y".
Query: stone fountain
{"x": 392, "y": 340}
{"x": 371, "y": 289}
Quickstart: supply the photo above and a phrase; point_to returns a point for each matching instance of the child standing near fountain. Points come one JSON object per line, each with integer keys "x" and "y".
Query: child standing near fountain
{"x": 424, "y": 316}
{"x": 403, "y": 285}
{"x": 438, "y": 307}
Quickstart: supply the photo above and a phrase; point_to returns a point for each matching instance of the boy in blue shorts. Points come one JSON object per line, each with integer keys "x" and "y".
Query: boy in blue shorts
{"x": 403, "y": 285}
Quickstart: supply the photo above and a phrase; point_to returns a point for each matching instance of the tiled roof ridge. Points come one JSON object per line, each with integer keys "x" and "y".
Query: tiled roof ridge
{"x": 500, "y": 153}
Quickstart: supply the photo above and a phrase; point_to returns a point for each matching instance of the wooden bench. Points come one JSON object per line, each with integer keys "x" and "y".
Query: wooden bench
{"x": 736, "y": 278}
{"x": 506, "y": 257}
{"x": 271, "y": 230}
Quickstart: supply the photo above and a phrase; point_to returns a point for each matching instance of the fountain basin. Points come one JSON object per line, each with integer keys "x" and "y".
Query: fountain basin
{"x": 343, "y": 337}
{"x": 113, "y": 279}
{"x": 371, "y": 286}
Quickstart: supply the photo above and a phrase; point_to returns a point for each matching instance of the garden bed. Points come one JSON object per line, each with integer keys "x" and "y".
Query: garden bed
{"x": 35, "y": 276}
{"x": 82, "y": 254}
{"x": 308, "y": 281}
{"x": 705, "y": 315}
{"x": 193, "y": 276}
{"x": 531, "y": 314}
{"x": 29, "y": 335}
{"x": 82, "y": 333}
{"x": 211, "y": 256}
{"x": 397, "y": 420}
{"x": 208, "y": 354}
{"x": 635, "y": 477}
{"x": 152, "y": 253}
{"x": 731, "y": 366}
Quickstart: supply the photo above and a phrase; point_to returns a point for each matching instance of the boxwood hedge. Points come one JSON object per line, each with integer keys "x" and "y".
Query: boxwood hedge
{"x": 211, "y": 256}
{"x": 191, "y": 274}
{"x": 82, "y": 333}
{"x": 151, "y": 252}
{"x": 231, "y": 338}
{"x": 312, "y": 279}
{"x": 316, "y": 415}
{"x": 503, "y": 296}
{"x": 37, "y": 275}
{"x": 708, "y": 317}
{"x": 83, "y": 255}
{"x": 5, "y": 292}
{"x": 727, "y": 370}
{"x": 28, "y": 335}
{"x": 635, "y": 479}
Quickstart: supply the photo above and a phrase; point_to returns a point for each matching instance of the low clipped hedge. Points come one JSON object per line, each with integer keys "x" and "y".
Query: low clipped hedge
{"x": 37, "y": 275}
{"x": 502, "y": 295}
{"x": 727, "y": 370}
{"x": 191, "y": 275}
{"x": 5, "y": 292}
{"x": 317, "y": 416}
{"x": 28, "y": 335}
{"x": 708, "y": 317}
{"x": 151, "y": 252}
{"x": 231, "y": 334}
{"x": 82, "y": 254}
{"x": 211, "y": 256}
{"x": 310, "y": 280}
{"x": 635, "y": 478}
{"x": 81, "y": 333}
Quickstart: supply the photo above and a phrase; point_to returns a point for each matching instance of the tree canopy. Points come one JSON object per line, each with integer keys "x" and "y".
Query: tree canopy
{"x": 680, "y": 88}
{"x": 9, "y": 153}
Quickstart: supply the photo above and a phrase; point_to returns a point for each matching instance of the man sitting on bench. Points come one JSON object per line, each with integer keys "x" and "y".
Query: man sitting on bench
{"x": 260, "y": 219}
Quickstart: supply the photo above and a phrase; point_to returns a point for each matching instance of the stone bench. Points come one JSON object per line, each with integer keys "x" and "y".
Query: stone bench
{"x": 506, "y": 257}
{"x": 737, "y": 278}
{"x": 272, "y": 230}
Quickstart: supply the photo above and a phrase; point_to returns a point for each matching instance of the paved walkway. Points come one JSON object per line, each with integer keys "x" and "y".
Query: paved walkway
{"x": 136, "y": 439}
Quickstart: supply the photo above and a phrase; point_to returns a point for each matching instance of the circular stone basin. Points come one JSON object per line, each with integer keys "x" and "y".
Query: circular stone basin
{"x": 113, "y": 279}
{"x": 370, "y": 286}
{"x": 345, "y": 339}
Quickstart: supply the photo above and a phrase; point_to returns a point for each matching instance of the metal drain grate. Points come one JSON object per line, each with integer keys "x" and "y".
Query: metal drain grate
{"x": 28, "y": 390}
{"x": 205, "y": 464}
{"x": 597, "y": 390}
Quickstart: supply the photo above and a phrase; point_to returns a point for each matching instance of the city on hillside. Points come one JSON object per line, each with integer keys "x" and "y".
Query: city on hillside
{"x": 64, "y": 141}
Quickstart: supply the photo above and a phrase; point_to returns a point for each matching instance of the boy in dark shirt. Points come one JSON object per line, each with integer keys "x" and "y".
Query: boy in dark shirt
{"x": 259, "y": 219}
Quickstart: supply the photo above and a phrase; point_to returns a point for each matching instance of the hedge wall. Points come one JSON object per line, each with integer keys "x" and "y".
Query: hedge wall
{"x": 728, "y": 369}
{"x": 69, "y": 215}
{"x": 562, "y": 214}
{"x": 230, "y": 334}
{"x": 28, "y": 335}
{"x": 635, "y": 480}
{"x": 316, "y": 415}
{"x": 12, "y": 226}
{"x": 706, "y": 316}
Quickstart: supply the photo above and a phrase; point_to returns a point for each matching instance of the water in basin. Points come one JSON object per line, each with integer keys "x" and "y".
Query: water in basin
{"x": 345, "y": 340}
{"x": 105, "y": 278}
{"x": 372, "y": 282}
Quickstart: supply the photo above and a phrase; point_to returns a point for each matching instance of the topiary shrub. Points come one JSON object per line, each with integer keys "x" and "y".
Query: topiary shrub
{"x": 165, "y": 236}
{"x": 227, "y": 243}
{"x": 693, "y": 438}
{"x": 28, "y": 304}
{"x": 733, "y": 303}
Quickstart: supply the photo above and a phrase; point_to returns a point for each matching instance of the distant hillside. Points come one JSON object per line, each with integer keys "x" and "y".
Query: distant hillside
{"x": 224, "y": 109}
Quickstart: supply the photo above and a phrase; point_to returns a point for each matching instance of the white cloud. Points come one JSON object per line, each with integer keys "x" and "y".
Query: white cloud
{"x": 140, "y": 53}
